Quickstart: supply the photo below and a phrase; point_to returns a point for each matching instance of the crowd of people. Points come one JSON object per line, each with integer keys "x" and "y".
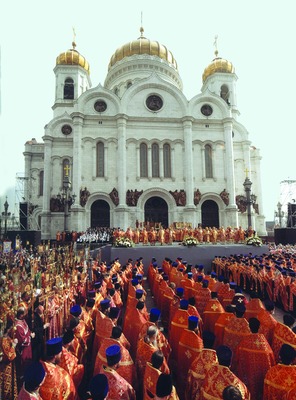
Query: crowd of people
{"x": 151, "y": 235}
{"x": 80, "y": 328}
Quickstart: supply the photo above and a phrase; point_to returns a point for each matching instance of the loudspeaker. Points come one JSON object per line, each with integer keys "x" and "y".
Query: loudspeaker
{"x": 24, "y": 216}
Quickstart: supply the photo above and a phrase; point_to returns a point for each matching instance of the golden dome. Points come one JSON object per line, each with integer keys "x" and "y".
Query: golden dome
{"x": 218, "y": 65}
{"x": 143, "y": 46}
{"x": 73, "y": 57}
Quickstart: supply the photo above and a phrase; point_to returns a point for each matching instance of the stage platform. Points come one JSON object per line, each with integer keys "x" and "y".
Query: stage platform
{"x": 201, "y": 254}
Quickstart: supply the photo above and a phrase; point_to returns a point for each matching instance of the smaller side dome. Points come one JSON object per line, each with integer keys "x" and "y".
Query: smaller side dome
{"x": 218, "y": 65}
{"x": 73, "y": 57}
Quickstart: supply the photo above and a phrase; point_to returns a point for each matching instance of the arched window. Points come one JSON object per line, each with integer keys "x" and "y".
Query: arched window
{"x": 209, "y": 161}
{"x": 100, "y": 159}
{"x": 143, "y": 160}
{"x": 224, "y": 93}
{"x": 155, "y": 160}
{"x": 167, "y": 172}
{"x": 69, "y": 89}
{"x": 41, "y": 177}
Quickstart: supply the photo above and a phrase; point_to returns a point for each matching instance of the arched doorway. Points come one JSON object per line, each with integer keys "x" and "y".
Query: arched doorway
{"x": 100, "y": 214}
{"x": 156, "y": 210}
{"x": 210, "y": 214}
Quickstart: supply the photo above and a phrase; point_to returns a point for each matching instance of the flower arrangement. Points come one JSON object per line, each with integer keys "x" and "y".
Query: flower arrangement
{"x": 190, "y": 241}
{"x": 124, "y": 242}
{"x": 254, "y": 241}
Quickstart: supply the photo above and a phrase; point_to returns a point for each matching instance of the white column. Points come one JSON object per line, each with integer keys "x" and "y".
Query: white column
{"x": 149, "y": 162}
{"x": 106, "y": 161}
{"x": 173, "y": 163}
{"x": 138, "y": 161}
{"x": 187, "y": 131}
{"x": 94, "y": 157}
{"x": 121, "y": 159}
{"x": 77, "y": 157}
{"x": 229, "y": 161}
{"x": 48, "y": 175}
{"x": 161, "y": 162}
{"x": 203, "y": 167}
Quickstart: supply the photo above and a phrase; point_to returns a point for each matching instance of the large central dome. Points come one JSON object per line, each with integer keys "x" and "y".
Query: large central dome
{"x": 143, "y": 46}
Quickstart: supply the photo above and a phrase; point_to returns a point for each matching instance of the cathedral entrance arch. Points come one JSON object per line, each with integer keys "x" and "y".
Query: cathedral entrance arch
{"x": 156, "y": 210}
{"x": 210, "y": 214}
{"x": 100, "y": 214}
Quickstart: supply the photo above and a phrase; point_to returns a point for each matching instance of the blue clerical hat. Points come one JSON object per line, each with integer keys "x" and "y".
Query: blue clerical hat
{"x": 54, "y": 346}
{"x": 139, "y": 293}
{"x": 104, "y": 304}
{"x": 113, "y": 354}
{"x": 34, "y": 375}
{"x": 99, "y": 387}
{"x": 184, "y": 304}
{"x": 76, "y": 310}
{"x": 154, "y": 314}
{"x": 192, "y": 322}
{"x": 91, "y": 294}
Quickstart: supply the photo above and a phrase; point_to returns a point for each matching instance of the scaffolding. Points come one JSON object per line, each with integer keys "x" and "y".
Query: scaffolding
{"x": 23, "y": 205}
{"x": 287, "y": 201}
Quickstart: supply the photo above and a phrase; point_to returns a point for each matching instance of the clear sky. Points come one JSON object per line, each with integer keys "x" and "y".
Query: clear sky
{"x": 258, "y": 37}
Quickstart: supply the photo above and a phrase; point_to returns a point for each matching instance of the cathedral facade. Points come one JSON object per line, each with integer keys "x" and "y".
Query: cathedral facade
{"x": 137, "y": 151}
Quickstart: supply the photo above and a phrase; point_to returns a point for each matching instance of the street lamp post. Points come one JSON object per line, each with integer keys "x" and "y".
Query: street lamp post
{"x": 247, "y": 186}
{"x": 5, "y": 215}
{"x": 66, "y": 200}
{"x": 280, "y": 213}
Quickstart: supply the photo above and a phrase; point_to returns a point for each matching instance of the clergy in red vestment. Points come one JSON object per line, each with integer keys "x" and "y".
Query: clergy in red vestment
{"x": 119, "y": 388}
{"x": 255, "y": 358}
{"x": 168, "y": 296}
{"x": 58, "y": 384}
{"x": 104, "y": 325}
{"x": 235, "y": 330}
{"x": 199, "y": 366}
{"x": 202, "y": 297}
{"x": 33, "y": 378}
{"x": 8, "y": 381}
{"x": 126, "y": 366}
{"x": 69, "y": 361}
{"x": 190, "y": 344}
{"x": 254, "y": 306}
{"x": 162, "y": 342}
{"x": 221, "y": 322}
{"x": 81, "y": 330}
{"x": 152, "y": 372}
{"x": 267, "y": 321}
{"x": 218, "y": 376}
{"x": 146, "y": 347}
{"x": 133, "y": 322}
{"x": 178, "y": 324}
{"x": 24, "y": 346}
{"x": 283, "y": 334}
{"x": 212, "y": 311}
{"x": 281, "y": 378}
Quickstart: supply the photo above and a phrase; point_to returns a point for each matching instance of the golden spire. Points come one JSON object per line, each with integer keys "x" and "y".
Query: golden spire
{"x": 216, "y": 45}
{"x": 74, "y": 38}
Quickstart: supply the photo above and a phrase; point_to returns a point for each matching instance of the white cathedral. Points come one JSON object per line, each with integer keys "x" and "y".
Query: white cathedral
{"x": 137, "y": 151}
